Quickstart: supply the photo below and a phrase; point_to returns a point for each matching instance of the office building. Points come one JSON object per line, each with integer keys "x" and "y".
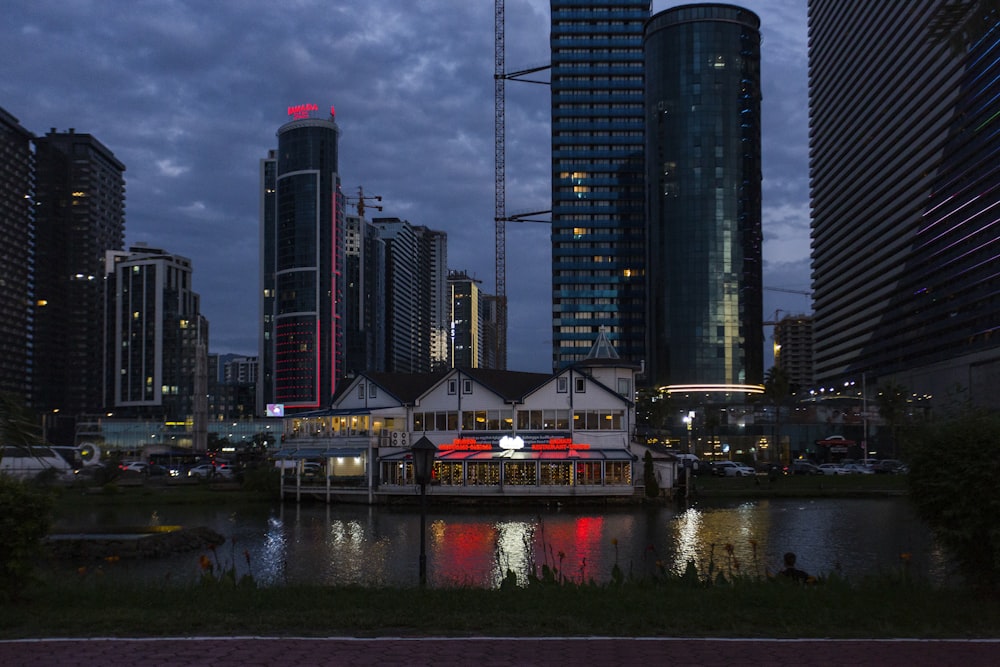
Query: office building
{"x": 80, "y": 215}
{"x": 703, "y": 171}
{"x": 905, "y": 192}
{"x": 17, "y": 226}
{"x": 157, "y": 338}
{"x": 598, "y": 249}
{"x": 302, "y": 264}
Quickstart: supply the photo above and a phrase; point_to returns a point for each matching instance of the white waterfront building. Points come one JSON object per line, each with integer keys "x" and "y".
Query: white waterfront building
{"x": 498, "y": 433}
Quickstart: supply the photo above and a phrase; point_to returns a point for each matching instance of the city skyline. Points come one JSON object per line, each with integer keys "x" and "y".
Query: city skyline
{"x": 188, "y": 98}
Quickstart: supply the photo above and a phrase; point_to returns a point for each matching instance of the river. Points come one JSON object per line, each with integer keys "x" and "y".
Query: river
{"x": 356, "y": 544}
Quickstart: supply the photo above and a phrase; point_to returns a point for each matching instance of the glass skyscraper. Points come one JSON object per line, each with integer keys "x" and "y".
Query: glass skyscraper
{"x": 302, "y": 272}
{"x": 703, "y": 176}
{"x": 904, "y": 146}
{"x": 598, "y": 255}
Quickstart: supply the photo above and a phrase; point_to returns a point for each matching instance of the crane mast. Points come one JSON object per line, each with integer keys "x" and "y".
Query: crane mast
{"x": 500, "y": 210}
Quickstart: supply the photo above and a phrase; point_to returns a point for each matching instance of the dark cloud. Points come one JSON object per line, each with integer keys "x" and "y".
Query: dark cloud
{"x": 189, "y": 96}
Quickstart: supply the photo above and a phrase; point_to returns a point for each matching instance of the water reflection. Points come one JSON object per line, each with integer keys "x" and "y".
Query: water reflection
{"x": 346, "y": 544}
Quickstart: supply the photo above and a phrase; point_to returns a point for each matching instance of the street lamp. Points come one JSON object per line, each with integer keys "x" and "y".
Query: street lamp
{"x": 423, "y": 451}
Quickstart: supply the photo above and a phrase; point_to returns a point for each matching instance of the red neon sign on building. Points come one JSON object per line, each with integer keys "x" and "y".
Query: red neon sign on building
{"x": 300, "y": 111}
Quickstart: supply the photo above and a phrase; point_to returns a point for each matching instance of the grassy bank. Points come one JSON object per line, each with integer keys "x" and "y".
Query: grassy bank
{"x": 890, "y": 605}
{"x": 800, "y": 486}
{"x": 877, "y": 608}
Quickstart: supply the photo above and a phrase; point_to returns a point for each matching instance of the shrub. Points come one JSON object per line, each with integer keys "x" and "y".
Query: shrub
{"x": 649, "y": 476}
{"x": 953, "y": 471}
{"x": 25, "y": 517}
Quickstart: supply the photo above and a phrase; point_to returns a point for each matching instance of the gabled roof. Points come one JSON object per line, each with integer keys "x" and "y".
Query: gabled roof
{"x": 407, "y": 387}
{"x": 509, "y": 385}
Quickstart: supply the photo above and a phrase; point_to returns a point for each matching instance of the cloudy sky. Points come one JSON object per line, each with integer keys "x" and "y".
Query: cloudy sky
{"x": 189, "y": 94}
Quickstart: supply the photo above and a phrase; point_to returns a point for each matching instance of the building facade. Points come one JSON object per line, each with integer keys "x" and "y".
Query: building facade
{"x": 703, "y": 170}
{"x": 302, "y": 264}
{"x": 598, "y": 250}
{"x": 157, "y": 339}
{"x": 17, "y": 226}
{"x": 80, "y": 215}
{"x": 905, "y": 193}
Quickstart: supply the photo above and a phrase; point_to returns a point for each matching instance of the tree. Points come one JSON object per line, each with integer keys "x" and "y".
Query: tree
{"x": 952, "y": 480}
{"x": 649, "y": 476}
{"x": 892, "y": 403}
{"x": 17, "y": 426}
{"x": 777, "y": 389}
{"x": 25, "y": 511}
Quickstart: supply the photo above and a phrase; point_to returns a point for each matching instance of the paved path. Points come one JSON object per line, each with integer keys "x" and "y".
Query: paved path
{"x": 492, "y": 651}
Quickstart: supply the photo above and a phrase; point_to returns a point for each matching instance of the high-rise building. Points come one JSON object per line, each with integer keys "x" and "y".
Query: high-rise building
{"x": 703, "y": 171}
{"x": 598, "y": 249}
{"x": 433, "y": 290}
{"x": 157, "y": 338}
{"x": 364, "y": 318}
{"x": 401, "y": 302}
{"x": 17, "y": 227}
{"x": 466, "y": 332}
{"x": 793, "y": 349}
{"x": 417, "y": 311}
{"x": 302, "y": 264}
{"x": 905, "y": 193}
{"x": 80, "y": 215}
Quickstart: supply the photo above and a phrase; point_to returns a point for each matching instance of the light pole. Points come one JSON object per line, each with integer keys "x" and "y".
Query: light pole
{"x": 423, "y": 452}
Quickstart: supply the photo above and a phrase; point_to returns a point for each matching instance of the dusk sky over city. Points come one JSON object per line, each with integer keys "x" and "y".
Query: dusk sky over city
{"x": 189, "y": 95}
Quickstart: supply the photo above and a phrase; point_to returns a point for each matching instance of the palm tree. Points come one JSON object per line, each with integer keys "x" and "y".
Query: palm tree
{"x": 777, "y": 388}
{"x": 892, "y": 403}
{"x": 17, "y": 427}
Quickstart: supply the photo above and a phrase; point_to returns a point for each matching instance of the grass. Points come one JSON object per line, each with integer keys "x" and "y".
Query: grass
{"x": 875, "y": 608}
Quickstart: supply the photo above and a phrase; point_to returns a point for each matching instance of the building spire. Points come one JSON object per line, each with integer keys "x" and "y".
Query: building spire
{"x": 602, "y": 348}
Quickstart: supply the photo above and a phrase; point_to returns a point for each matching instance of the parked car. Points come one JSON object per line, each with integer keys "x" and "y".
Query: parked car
{"x": 805, "y": 468}
{"x": 733, "y": 469}
{"x": 224, "y": 470}
{"x": 833, "y": 469}
{"x": 310, "y": 469}
{"x": 858, "y": 469}
{"x": 890, "y": 467}
{"x": 202, "y": 471}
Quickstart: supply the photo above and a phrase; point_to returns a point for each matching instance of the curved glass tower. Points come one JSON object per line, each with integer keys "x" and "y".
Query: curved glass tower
{"x": 302, "y": 224}
{"x": 703, "y": 175}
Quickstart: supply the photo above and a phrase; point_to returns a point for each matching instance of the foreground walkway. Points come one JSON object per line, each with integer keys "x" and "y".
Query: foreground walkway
{"x": 492, "y": 651}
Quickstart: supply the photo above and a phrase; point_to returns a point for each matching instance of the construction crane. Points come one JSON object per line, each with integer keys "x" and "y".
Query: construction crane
{"x": 500, "y": 218}
{"x": 361, "y": 202}
{"x": 790, "y": 291}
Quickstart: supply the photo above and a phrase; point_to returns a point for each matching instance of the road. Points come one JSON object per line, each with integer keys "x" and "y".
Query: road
{"x": 492, "y": 652}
